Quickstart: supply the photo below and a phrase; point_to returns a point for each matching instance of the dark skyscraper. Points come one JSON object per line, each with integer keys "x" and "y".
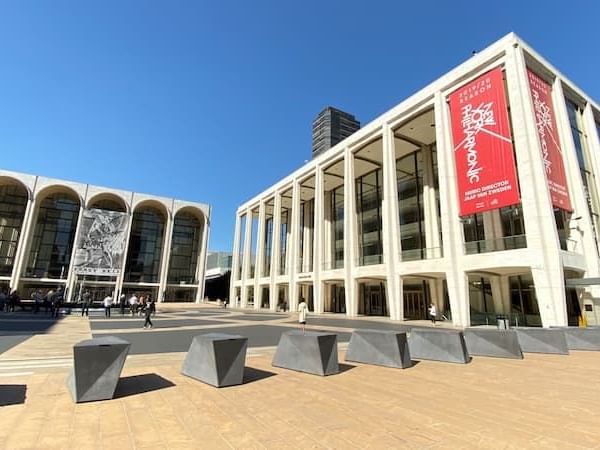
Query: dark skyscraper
{"x": 330, "y": 127}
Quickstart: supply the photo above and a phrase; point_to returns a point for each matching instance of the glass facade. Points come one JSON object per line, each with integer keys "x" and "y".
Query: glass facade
{"x": 481, "y": 304}
{"x": 267, "y": 246}
{"x": 307, "y": 218}
{"x": 253, "y": 244}
{"x": 108, "y": 204}
{"x": 372, "y": 301}
{"x": 337, "y": 228}
{"x": 416, "y": 299}
{"x": 585, "y": 166}
{"x": 185, "y": 249}
{"x": 283, "y": 240}
{"x": 145, "y": 246}
{"x": 409, "y": 174}
{"x": 242, "y": 242}
{"x": 13, "y": 203}
{"x": 368, "y": 200}
{"x": 53, "y": 237}
{"x": 524, "y": 305}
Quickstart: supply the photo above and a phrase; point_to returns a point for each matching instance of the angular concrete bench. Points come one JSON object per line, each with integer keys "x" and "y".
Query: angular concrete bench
{"x": 217, "y": 359}
{"x": 310, "y": 352}
{"x": 583, "y": 338}
{"x": 97, "y": 366}
{"x": 494, "y": 343}
{"x": 438, "y": 345}
{"x": 543, "y": 340}
{"x": 382, "y": 348}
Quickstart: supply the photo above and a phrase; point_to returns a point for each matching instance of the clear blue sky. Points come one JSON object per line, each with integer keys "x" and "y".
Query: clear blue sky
{"x": 212, "y": 101}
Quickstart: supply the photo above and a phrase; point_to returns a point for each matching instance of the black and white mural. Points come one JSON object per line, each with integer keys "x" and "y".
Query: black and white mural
{"x": 101, "y": 243}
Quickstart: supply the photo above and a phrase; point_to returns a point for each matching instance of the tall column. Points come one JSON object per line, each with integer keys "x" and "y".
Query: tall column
{"x": 432, "y": 224}
{"x": 24, "y": 237}
{"x": 71, "y": 275}
{"x": 246, "y": 259}
{"x": 275, "y": 250}
{"x": 350, "y": 237}
{"x": 391, "y": 226}
{"x": 201, "y": 267}
{"x": 165, "y": 252}
{"x": 121, "y": 277}
{"x": 293, "y": 247}
{"x": 318, "y": 222}
{"x": 540, "y": 227}
{"x": 260, "y": 255}
{"x": 452, "y": 231}
{"x": 235, "y": 260}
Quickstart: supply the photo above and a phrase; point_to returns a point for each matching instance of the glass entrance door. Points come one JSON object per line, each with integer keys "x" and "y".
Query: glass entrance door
{"x": 416, "y": 297}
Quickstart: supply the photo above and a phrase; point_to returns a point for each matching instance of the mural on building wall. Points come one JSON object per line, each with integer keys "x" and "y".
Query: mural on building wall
{"x": 101, "y": 243}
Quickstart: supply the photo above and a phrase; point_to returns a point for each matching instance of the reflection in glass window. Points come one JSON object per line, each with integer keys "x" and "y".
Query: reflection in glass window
{"x": 185, "y": 248}
{"x": 524, "y": 303}
{"x": 145, "y": 245}
{"x": 283, "y": 239}
{"x": 337, "y": 227}
{"x": 409, "y": 175}
{"x": 585, "y": 167}
{"x": 368, "y": 196}
{"x": 53, "y": 237}
{"x": 267, "y": 246}
{"x": 242, "y": 243}
{"x": 13, "y": 203}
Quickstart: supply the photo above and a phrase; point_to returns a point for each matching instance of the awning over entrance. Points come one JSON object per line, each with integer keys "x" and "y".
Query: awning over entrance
{"x": 581, "y": 282}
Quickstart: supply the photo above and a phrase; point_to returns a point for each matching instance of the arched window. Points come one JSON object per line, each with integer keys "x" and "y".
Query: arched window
{"x": 145, "y": 246}
{"x": 52, "y": 242}
{"x": 13, "y": 203}
{"x": 185, "y": 247}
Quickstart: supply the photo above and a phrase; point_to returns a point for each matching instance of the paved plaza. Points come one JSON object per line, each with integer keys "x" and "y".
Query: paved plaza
{"x": 542, "y": 401}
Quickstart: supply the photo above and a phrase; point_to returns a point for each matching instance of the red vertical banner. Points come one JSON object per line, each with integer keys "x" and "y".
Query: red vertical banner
{"x": 483, "y": 151}
{"x": 545, "y": 122}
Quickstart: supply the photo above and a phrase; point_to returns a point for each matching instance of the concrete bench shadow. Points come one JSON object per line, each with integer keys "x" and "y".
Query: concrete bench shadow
{"x": 12, "y": 394}
{"x": 583, "y": 338}
{"x": 311, "y": 352}
{"x": 217, "y": 359}
{"x": 140, "y": 384}
{"x": 493, "y": 343}
{"x": 543, "y": 340}
{"x": 97, "y": 366}
{"x": 379, "y": 347}
{"x": 438, "y": 345}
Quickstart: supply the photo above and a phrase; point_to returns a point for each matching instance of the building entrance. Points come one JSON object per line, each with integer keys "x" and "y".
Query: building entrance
{"x": 416, "y": 300}
{"x": 337, "y": 299}
{"x": 372, "y": 299}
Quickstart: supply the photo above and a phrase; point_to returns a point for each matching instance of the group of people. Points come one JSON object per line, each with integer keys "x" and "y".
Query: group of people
{"x": 144, "y": 304}
{"x": 51, "y": 300}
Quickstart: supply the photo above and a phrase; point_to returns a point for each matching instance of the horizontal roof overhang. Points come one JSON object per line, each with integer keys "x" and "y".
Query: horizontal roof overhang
{"x": 581, "y": 282}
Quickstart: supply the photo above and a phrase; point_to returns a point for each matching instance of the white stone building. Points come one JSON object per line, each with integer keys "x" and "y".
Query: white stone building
{"x": 40, "y": 223}
{"x": 376, "y": 225}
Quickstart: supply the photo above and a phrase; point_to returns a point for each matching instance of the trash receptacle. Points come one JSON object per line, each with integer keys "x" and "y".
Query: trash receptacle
{"x": 502, "y": 322}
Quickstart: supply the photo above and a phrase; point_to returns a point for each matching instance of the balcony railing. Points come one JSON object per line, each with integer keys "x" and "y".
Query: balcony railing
{"x": 332, "y": 265}
{"x": 421, "y": 253}
{"x": 496, "y": 245}
{"x": 369, "y": 260}
{"x": 569, "y": 245}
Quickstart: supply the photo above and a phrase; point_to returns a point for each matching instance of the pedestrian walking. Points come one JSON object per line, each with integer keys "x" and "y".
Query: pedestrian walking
{"x": 132, "y": 304}
{"x": 86, "y": 299}
{"x": 432, "y": 313}
{"x": 107, "y": 304}
{"x": 148, "y": 312}
{"x": 302, "y": 313}
{"x": 57, "y": 299}
{"x": 3, "y": 299}
{"x": 13, "y": 300}
{"x": 38, "y": 298}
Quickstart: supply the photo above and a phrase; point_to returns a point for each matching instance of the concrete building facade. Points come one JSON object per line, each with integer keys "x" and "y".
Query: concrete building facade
{"x": 374, "y": 226}
{"x": 41, "y": 221}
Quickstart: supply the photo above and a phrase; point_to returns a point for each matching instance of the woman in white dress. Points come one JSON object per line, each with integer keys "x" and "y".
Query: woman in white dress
{"x": 302, "y": 313}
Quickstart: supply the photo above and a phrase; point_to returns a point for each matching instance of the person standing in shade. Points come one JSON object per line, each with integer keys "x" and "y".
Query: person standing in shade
{"x": 432, "y": 313}
{"x": 107, "y": 304}
{"x": 86, "y": 299}
{"x": 122, "y": 302}
{"x": 302, "y": 313}
{"x": 133, "y": 304}
{"x": 148, "y": 312}
{"x": 38, "y": 298}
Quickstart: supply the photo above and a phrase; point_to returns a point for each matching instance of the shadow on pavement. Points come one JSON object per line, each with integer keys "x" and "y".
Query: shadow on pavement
{"x": 345, "y": 367}
{"x": 12, "y": 394}
{"x": 139, "y": 384}
{"x": 252, "y": 374}
{"x": 18, "y": 323}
